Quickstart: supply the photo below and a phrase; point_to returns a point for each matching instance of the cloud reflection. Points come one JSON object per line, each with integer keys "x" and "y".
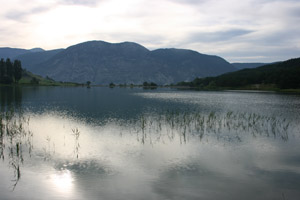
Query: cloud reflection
{"x": 160, "y": 155}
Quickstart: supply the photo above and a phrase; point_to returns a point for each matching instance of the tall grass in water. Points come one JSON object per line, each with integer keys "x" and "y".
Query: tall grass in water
{"x": 228, "y": 126}
{"x": 169, "y": 126}
{"x": 76, "y": 135}
{"x": 15, "y": 138}
{"x": 16, "y": 142}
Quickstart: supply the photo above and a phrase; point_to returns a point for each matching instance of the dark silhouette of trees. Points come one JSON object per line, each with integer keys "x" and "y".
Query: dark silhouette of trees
{"x": 10, "y": 72}
{"x": 146, "y": 84}
{"x": 2, "y": 69}
{"x": 151, "y": 85}
{"x": 88, "y": 84}
{"x": 17, "y": 70}
{"x": 284, "y": 75}
{"x": 34, "y": 81}
{"x": 9, "y": 69}
{"x": 112, "y": 85}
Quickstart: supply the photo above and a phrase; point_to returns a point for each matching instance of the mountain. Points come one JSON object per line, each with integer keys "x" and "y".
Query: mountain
{"x": 248, "y": 65}
{"x": 282, "y": 75}
{"x": 30, "y": 60}
{"x": 36, "y": 50}
{"x": 12, "y": 53}
{"x": 102, "y": 62}
{"x": 7, "y": 52}
{"x": 188, "y": 63}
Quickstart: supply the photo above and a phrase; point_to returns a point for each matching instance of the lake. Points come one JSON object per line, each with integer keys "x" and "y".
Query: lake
{"x": 134, "y": 143}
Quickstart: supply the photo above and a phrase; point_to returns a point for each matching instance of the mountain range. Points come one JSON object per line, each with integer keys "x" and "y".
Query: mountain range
{"x": 127, "y": 62}
{"x": 7, "y": 52}
{"x": 102, "y": 63}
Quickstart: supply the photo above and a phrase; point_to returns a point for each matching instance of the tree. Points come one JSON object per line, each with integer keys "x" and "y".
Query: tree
{"x": 9, "y": 68}
{"x": 88, "y": 83}
{"x": 50, "y": 79}
{"x": 2, "y": 69}
{"x": 9, "y": 71}
{"x": 34, "y": 81}
{"x": 153, "y": 84}
{"x": 17, "y": 70}
{"x": 111, "y": 85}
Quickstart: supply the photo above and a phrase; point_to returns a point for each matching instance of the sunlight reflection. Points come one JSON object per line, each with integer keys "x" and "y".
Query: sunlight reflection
{"x": 63, "y": 181}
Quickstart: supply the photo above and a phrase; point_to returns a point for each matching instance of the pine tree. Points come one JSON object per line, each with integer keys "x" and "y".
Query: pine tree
{"x": 8, "y": 78}
{"x": 17, "y": 70}
{"x": 2, "y": 69}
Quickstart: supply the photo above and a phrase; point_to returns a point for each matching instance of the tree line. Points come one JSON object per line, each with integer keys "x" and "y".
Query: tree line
{"x": 10, "y": 72}
{"x": 284, "y": 75}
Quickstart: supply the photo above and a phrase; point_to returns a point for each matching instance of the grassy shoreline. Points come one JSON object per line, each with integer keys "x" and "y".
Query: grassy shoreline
{"x": 44, "y": 82}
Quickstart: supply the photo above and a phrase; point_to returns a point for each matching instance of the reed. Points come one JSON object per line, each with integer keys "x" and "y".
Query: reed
{"x": 14, "y": 138}
{"x": 227, "y": 126}
{"x": 76, "y": 135}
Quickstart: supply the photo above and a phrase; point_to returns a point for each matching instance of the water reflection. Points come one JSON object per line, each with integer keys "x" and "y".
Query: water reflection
{"x": 63, "y": 181}
{"x": 177, "y": 153}
{"x": 15, "y": 140}
{"x": 55, "y": 136}
{"x": 10, "y": 97}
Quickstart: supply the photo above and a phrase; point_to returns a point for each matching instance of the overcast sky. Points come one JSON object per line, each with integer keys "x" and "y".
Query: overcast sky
{"x": 237, "y": 30}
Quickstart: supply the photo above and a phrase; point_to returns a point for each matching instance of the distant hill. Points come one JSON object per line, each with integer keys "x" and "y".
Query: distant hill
{"x": 102, "y": 63}
{"x": 7, "y": 52}
{"x": 12, "y": 53}
{"x": 282, "y": 75}
{"x": 30, "y": 60}
{"x": 248, "y": 65}
{"x": 36, "y": 50}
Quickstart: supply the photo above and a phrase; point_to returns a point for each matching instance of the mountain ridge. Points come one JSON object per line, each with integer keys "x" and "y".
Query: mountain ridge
{"x": 127, "y": 62}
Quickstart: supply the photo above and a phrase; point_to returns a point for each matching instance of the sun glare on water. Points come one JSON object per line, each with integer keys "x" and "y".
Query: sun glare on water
{"x": 63, "y": 181}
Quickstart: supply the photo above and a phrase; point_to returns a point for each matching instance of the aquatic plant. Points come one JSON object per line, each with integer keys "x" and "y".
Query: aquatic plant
{"x": 14, "y": 138}
{"x": 76, "y": 134}
{"x": 149, "y": 128}
{"x": 229, "y": 126}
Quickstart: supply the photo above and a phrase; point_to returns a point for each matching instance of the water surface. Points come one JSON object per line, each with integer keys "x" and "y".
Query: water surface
{"x": 102, "y": 143}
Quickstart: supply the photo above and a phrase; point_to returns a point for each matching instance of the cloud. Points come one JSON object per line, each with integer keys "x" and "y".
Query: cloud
{"x": 217, "y": 36}
{"x": 261, "y": 53}
{"x": 80, "y": 2}
{"x": 193, "y": 2}
{"x": 20, "y": 15}
{"x": 207, "y": 26}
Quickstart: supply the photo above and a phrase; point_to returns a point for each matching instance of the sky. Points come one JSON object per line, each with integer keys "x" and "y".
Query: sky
{"x": 237, "y": 30}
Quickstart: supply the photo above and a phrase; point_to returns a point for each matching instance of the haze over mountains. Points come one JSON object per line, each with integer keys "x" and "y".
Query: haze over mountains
{"x": 102, "y": 63}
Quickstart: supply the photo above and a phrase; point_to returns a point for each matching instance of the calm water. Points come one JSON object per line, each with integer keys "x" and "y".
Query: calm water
{"x": 102, "y": 143}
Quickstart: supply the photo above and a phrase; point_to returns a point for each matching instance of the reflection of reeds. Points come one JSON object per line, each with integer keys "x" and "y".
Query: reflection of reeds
{"x": 14, "y": 137}
{"x": 1, "y": 137}
{"x": 48, "y": 150}
{"x": 229, "y": 126}
{"x": 76, "y": 134}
